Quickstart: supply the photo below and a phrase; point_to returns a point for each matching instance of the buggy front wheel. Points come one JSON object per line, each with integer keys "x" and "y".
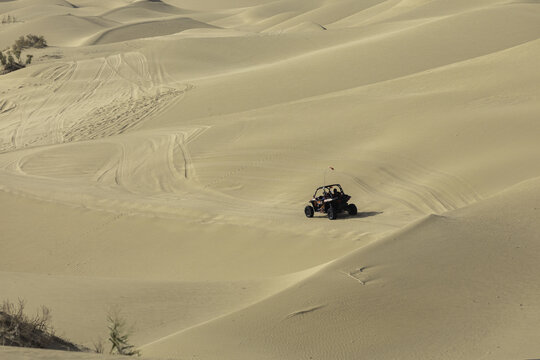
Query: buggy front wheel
{"x": 351, "y": 209}
{"x": 308, "y": 210}
{"x": 332, "y": 213}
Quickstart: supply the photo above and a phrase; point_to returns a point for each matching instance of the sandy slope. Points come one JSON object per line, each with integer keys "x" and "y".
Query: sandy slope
{"x": 468, "y": 276}
{"x": 157, "y": 157}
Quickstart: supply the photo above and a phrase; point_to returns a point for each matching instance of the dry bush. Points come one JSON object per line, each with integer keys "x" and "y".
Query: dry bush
{"x": 19, "y": 329}
{"x": 119, "y": 335}
{"x": 9, "y": 19}
{"x": 98, "y": 346}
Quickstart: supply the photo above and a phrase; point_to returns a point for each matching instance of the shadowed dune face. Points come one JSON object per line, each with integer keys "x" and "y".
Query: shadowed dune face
{"x": 158, "y": 155}
{"x": 149, "y": 29}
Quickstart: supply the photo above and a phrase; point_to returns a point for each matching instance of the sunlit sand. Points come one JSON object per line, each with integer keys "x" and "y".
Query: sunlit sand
{"x": 157, "y": 156}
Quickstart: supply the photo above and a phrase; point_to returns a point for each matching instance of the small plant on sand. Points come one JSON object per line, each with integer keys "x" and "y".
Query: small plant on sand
{"x": 10, "y": 58}
{"x": 119, "y": 335}
{"x": 98, "y": 346}
{"x": 9, "y": 19}
{"x": 19, "y": 329}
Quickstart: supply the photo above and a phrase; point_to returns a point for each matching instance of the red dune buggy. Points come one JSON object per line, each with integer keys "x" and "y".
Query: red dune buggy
{"x": 330, "y": 200}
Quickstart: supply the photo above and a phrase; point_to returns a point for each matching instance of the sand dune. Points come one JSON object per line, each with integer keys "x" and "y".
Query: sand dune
{"x": 142, "y": 10}
{"x": 456, "y": 276}
{"x": 148, "y": 28}
{"x": 157, "y": 156}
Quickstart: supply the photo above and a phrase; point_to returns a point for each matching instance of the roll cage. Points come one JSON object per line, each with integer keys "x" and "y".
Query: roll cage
{"x": 327, "y": 189}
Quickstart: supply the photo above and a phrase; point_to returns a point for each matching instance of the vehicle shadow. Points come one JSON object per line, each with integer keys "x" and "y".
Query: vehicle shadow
{"x": 359, "y": 215}
{"x": 345, "y": 216}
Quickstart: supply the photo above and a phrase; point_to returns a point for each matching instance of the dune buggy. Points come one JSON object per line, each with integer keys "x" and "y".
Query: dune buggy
{"x": 330, "y": 200}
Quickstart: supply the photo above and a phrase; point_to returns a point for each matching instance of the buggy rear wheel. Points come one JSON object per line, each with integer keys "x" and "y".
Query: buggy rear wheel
{"x": 352, "y": 210}
{"x": 308, "y": 210}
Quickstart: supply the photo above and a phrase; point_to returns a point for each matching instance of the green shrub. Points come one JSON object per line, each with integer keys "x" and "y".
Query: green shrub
{"x": 13, "y": 61}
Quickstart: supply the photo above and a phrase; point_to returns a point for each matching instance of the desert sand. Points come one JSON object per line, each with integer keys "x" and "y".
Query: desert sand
{"x": 157, "y": 156}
